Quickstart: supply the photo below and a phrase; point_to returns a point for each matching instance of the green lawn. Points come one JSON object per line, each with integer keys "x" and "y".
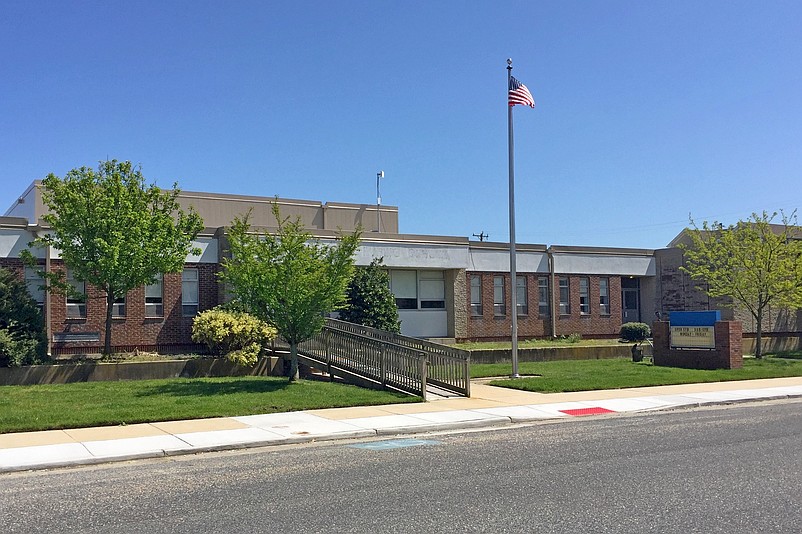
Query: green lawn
{"x": 584, "y": 375}
{"x": 86, "y": 404}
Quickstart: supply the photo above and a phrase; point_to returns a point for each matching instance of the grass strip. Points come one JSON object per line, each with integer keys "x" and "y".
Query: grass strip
{"x": 538, "y": 344}
{"x": 586, "y": 375}
{"x": 88, "y": 404}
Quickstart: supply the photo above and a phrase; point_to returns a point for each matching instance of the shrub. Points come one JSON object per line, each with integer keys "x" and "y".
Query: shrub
{"x": 635, "y": 331}
{"x": 370, "y": 301}
{"x": 247, "y": 356}
{"x": 576, "y": 337}
{"x": 23, "y": 340}
{"x": 236, "y": 334}
{"x": 20, "y": 350}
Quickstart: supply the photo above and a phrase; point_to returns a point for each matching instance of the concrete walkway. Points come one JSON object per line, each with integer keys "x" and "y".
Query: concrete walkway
{"x": 487, "y": 406}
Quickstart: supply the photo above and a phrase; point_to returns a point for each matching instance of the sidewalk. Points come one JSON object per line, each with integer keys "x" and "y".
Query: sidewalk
{"x": 487, "y": 406}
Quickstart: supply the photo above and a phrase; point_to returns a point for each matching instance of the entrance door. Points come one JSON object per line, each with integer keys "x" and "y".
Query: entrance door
{"x": 630, "y": 300}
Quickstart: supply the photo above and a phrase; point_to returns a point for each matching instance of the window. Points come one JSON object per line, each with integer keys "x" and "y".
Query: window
{"x": 189, "y": 292}
{"x": 565, "y": 296}
{"x": 404, "y": 285}
{"x": 418, "y": 289}
{"x": 476, "y": 295}
{"x": 154, "y": 301}
{"x": 604, "y": 296}
{"x": 499, "y": 302}
{"x": 521, "y": 295}
{"x": 584, "y": 296}
{"x": 432, "y": 286}
{"x": 118, "y": 308}
{"x": 34, "y": 283}
{"x": 543, "y": 296}
{"x": 76, "y": 303}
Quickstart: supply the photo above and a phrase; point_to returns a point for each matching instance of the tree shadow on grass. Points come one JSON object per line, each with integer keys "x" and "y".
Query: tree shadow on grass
{"x": 788, "y": 355}
{"x": 205, "y": 388}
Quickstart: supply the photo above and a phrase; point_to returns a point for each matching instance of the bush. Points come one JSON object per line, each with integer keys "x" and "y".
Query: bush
{"x": 236, "y": 334}
{"x": 23, "y": 340}
{"x": 20, "y": 350}
{"x": 370, "y": 301}
{"x": 635, "y": 331}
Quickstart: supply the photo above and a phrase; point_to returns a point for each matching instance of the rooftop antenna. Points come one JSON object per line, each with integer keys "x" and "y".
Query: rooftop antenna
{"x": 379, "y": 175}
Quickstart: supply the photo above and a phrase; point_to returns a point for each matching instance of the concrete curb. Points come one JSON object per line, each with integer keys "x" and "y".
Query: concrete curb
{"x": 486, "y": 421}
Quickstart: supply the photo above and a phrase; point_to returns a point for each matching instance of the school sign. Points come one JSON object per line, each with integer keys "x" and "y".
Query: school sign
{"x": 694, "y": 330}
{"x": 698, "y": 340}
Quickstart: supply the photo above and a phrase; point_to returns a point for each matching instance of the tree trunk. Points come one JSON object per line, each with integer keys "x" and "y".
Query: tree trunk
{"x": 759, "y": 334}
{"x": 107, "y": 337}
{"x": 293, "y": 375}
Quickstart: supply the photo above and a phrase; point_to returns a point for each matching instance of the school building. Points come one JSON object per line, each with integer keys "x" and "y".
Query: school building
{"x": 446, "y": 287}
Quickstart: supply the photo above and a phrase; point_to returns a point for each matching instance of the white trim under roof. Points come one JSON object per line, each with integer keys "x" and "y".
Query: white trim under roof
{"x": 604, "y": 264}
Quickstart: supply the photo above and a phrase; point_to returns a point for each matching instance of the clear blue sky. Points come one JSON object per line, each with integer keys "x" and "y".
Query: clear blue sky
{"x": 646, "y": 111}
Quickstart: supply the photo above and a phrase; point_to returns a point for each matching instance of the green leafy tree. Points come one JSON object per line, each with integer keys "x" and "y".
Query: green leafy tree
{"x": 370, "y": 301}
{"x": 754, "y": 263}
{"x": 113, "y": 231}
{"x": 289, "y": 279}
{"x": 23, "y": 340}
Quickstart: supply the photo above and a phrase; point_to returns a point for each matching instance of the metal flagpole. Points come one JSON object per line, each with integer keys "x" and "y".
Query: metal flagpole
{"x": 513, "y": 274}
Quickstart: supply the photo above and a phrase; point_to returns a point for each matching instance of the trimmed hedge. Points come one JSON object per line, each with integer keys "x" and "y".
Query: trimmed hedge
{"x": 635, "y": 331}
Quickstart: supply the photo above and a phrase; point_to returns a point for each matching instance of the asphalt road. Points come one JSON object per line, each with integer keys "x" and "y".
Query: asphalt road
{"x": 732, "y": 469}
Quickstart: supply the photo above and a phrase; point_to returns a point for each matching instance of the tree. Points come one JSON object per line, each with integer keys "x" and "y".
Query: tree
{"x": 370, "y": 301}
{"x": 289, "y": 279}
{"x": 754, "y": 263}
{"x": 113, "y": 231}
{"x": 23, "y": 340}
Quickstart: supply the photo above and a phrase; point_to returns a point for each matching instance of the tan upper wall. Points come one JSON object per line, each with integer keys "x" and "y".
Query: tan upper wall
{"x": 219, "y": 209}
{"x": 348, "y": 216}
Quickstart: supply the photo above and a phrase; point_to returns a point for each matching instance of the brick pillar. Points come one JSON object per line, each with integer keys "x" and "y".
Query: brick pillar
{"x": 729, "y": 344}
{"x": 661, "y": 342}
{"x": 460, "y": 303}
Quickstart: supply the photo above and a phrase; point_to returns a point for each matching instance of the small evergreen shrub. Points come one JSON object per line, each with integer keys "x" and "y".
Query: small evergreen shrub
{"x": 369, "y": 299}
{"x": 635, "y": 331}
{"x": 236, "y": 334}
{"x": 23, "y": 340}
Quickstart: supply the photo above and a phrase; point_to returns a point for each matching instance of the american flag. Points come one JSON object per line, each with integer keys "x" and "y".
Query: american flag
{"x": 519, "y": 94}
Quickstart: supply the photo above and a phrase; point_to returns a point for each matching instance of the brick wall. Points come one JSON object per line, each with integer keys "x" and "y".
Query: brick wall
{"x": 533, "y": 325}
{"x": 14, "y": 265}
{"x": 728, "y": 353}
{"x": 134, "y": 330}
{"x": 593, "y": 324}
{"x": 676, "y": 291}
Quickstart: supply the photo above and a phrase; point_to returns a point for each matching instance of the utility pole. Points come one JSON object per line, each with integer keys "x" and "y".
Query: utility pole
{"x": 482, "y": 236}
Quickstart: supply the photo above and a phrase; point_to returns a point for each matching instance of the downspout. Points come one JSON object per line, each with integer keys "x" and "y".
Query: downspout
{"x": 48, "y": 327}
{"x": 552, "y": 307}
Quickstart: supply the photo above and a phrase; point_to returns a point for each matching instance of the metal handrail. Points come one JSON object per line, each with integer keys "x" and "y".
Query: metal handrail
{"x": 389, "y": 364}
{"x": 449, "y": 367}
